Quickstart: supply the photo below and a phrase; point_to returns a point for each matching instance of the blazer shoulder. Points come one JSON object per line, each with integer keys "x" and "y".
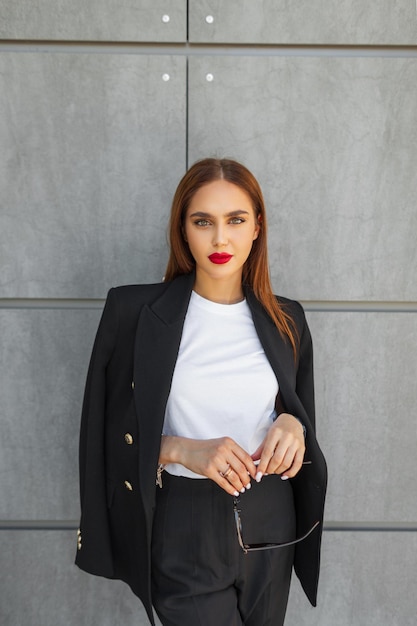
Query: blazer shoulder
{"x": 293, "y": 307}
{"x": 124, "y": 303}
{"x": 139, "y": 289}
{"x": 137, "y": 294}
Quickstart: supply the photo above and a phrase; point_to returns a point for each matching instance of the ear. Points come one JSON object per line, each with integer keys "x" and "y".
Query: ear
{"x": 257, "y": 227}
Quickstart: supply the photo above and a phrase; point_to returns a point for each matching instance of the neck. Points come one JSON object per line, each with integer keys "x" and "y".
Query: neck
{"x": 222, "y": 292}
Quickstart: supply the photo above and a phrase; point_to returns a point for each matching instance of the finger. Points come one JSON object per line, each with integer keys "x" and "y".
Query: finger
{"x": 296, "y": 464}
{"x": 284, "y": 464}
{"x": 258, "y": 453}
{"x": 243, "y": 465}
{"x": 267, "y": 454}
{"x": 237, "y": 458}
{"x": 284, "y": 455}
{"x": 238, "y": 475}
{"x": 230, "y": 479}
{"x": 234, "y": 479}
{"x": 226, "y": 485}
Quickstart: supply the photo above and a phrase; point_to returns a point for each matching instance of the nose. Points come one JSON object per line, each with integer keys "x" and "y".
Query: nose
{"x": 220, "y": 236}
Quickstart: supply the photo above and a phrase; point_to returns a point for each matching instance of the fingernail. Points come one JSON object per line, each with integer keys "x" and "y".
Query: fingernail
{"x": 242, "y": 490}
{"x": 236, "y": 493}
{"x": 258, "y": 477}
{"x": 248, "y": 486}
{"x": 284, "y": 477}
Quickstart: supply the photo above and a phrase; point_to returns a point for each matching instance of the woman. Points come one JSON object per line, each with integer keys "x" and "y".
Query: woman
{"x": 202, "y": 482}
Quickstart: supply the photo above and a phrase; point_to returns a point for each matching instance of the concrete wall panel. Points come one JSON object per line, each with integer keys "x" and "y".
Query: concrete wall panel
{"x": 380, "y": 22}
{"x": 363, "y": 582}
{"x": 365, "y": 368}
{"x": 333, "y": 143}
{"x": 95, "y": 20}
{"x": 42, "y": 586}
{"x": 93, "y": 146}
{"x": 43, "y": 366}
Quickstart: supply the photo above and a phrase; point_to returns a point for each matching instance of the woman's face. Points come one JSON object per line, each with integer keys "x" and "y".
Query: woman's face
{"x": 220, "y": 227}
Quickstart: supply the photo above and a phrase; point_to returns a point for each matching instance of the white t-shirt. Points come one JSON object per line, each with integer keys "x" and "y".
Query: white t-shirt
{"x": 223, "y": 384}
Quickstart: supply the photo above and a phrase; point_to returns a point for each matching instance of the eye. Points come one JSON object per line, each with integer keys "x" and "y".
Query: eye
{"x": 202, "y": 222}
{"x": 237, "y": 220}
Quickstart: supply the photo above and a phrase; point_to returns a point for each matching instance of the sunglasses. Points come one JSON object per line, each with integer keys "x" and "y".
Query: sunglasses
{"x": 264, "y": 546}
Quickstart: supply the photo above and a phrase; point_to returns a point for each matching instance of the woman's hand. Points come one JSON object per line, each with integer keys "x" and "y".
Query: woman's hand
{"x": 221, "y": 460}
{"x": 282, "y": 450}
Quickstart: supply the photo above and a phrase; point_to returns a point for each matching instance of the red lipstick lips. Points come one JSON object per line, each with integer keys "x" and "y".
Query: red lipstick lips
{"x": 220, "y": 257}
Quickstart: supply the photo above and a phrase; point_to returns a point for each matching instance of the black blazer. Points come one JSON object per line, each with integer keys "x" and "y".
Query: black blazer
{"x": 127, "y": 388}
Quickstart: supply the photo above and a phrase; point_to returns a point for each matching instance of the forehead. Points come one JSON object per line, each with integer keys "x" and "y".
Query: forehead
{"x": 220, "y": 196}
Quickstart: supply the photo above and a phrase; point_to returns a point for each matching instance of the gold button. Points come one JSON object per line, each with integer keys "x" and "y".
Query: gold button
{"x": 128, "y": 485}
{"x": 78, "y": 532}
{"x": 128, "y": 438}
{"x": 133, "y": 384}
{"x": 79, "y": 545}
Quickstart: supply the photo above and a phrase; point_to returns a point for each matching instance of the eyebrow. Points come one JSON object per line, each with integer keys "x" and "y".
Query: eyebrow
{"x": 230, "y": 214}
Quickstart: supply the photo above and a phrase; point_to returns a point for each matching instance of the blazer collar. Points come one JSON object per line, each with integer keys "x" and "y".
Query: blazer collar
{"x": 171, "y": 307}
{"x": 278, "y": 351}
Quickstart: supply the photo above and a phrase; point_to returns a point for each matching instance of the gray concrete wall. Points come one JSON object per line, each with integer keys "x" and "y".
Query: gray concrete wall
{"x": 102, "y": 106}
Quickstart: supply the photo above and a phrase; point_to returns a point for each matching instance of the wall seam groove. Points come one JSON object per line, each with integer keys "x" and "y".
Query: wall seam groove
{"x": 325, "y": 306}
{"x": 208, "y": 49}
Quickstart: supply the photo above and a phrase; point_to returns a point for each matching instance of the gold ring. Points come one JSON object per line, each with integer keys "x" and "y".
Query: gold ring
{"x": 226, "y": 473}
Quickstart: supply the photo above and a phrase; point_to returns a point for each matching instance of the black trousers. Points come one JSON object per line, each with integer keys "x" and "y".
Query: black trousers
{"x": 200, "y": 574}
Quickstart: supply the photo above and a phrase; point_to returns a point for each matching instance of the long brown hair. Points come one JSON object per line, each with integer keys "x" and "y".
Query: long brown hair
{"x": 256, "y": 268}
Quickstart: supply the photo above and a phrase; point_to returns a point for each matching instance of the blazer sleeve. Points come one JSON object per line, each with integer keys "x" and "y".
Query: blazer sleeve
{"x": 305, "y": 378}
{"x": 94, "y": 546}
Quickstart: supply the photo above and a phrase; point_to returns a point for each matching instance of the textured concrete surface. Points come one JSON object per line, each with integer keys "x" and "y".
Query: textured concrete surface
{"x": 365, "y": 365}
{"x": 93, "y": 147}
{"x": 333, "y": 143}
{"x": 43, "y": 366}
{"x": 52, "y": 591}
{"x": 382, "y": 22}
{"x": 95, "y": 20}
{"x": 365, "y": 580}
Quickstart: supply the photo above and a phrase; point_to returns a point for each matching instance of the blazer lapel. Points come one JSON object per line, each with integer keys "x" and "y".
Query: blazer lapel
{"x": 279, "y": 353}
{"x": 157, "y": 342}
